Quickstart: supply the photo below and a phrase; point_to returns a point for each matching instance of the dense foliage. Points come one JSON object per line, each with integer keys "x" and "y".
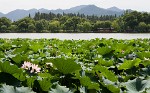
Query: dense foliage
{"x": 52, "y": 23}
{"x": 74, "y": 66}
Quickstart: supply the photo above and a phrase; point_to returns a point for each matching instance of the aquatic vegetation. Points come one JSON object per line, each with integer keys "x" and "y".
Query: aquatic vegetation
{"x": 74, "y": 66}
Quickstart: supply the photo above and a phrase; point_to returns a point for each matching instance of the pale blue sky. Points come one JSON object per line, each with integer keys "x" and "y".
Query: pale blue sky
{"x": 9, "y": 5}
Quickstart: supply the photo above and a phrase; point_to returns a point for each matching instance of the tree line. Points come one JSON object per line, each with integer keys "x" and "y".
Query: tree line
{"x": 53, "y": 23}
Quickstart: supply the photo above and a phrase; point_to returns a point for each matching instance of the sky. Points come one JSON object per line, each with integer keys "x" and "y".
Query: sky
{"x": 9, "y": 5}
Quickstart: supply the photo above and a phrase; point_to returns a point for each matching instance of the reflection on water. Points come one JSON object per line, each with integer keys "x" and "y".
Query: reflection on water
{"x": 75, "y": 36}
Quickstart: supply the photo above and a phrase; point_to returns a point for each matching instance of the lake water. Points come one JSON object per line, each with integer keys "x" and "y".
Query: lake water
{"x": 75, "y": 36}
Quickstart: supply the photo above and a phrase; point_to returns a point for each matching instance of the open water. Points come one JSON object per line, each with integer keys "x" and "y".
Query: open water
{"x": 75, "y": 36}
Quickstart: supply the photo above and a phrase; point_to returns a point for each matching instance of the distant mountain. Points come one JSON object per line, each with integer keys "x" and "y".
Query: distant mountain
{"x": 85, "y": 9}
{"x": 77, "y": 8}
{"x": 92, "y": 9}
{"x": 116, "y": 9}
{"x": 17, "y": 14}
{"x": 1, "y": 14}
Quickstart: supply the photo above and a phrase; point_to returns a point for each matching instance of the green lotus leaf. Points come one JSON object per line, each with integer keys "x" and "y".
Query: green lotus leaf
{"x": 9, "y": 68}
{"x": 145, "y": 71}
{"x": 60, "y": 89}
{"x": 45, "y": 84}
{"x": 17, "y": 58}
{"x": 6, "y": 45}
{"x": 129, "y": 64}
{"x": 11, "y": 89}
{"x": 103, "y": 62}
{"x": 106, "y": 73}
{"x": 45, "y": 75}
{"x": 22, "y": 49}
{"x": 66, "y": 66}
{"x": 30, "y": 81}
{"x": 66, "y": 50}
{"x": 137, "y": 85}
{"x": 104, "y": 50}
{"x": 146, "y": 62}
{"x": 20, "y": 76}
{"x": 111, "y": 86}
{"x": 86, "y": 81}
{"x": 143, "y": 54}
{"x": 2, "y": 55}
{"x": 36, "y": 46}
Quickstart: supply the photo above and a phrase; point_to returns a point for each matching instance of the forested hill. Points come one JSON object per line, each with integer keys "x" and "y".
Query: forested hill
{"x": 82, "y": 9}
{"x": 78, "y": 23}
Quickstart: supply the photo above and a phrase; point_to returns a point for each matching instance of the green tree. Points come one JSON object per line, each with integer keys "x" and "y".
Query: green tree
{"x": 54, "y": 26}
{"x": 5, "y": 23}
{"x": 71, "y": 23}
{"x": 116, "y": 25}
{"x": 148, "y": 27}
{"x": 13, "y": 28}
{"x": 4, "y": 28}
{"x": 145, "y": 17}
{"x": 23, "y": 24}
{"x": 67, "y": 25}
{"x": 63, "y": 19}
{"x": 42, "y": 26}
{"x": 31, "y": 28}
{"x": 102, "y": 24}
{"x": 132, "y": 20}
{"x": 142, "y": 27}
{"x": 85, "y": 26}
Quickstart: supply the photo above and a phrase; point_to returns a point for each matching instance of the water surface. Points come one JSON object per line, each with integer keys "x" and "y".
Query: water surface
{"x": 75, "y": 36}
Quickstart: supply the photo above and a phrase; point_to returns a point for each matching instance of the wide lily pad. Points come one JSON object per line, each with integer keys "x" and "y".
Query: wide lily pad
{"x": 137, "y": 85}
{"x": 11, "y": 89}
{"x": 60, "y": 89}
{"x": 66, "y": 66}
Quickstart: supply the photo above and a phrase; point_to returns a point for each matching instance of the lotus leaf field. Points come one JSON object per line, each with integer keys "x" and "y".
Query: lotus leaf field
{"x": 74, "y": 66}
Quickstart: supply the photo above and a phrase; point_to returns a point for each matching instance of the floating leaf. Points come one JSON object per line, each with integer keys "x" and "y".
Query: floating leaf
{"x": 30, "y": 81}
{"x": 106, "y": 73}
{"x": 36, "y": 46}
{"x": 11, "y": 89}
{"x": 146, "y": 62}
{"x": 104, "y": 50}
{"x": 85, "y": 81}
{"x": 103, "y": 62}
{"x": 145, "y": 71}
{"x": 8, "y": 68}
{"x": 17, "y": 58}
{"x": 20, "y": 76}
{"x": 129, "y": 64}
{"x": 60, "y": 89}
{"x": 45, "y": 75}
{"x": 137, "y": 85}
{"x": 45, "y": 84}
{"x": 66, "y": 66}
{"x": 22, "y": 49}
{"x": 143, "y": 54}
{"x": 111, "y": 86}
{"x": 2, "y": 54}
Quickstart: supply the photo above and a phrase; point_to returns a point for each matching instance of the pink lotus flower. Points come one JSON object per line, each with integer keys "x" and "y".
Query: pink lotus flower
{"x": 31, "y": 67}
{"x": 35, "y": 68}
{"x": 27, "y": 65}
